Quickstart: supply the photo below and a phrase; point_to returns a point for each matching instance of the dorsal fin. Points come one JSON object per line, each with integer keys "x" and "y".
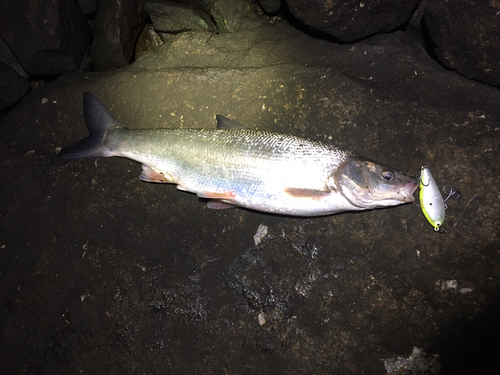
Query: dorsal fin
{"x": 226, "y": 123}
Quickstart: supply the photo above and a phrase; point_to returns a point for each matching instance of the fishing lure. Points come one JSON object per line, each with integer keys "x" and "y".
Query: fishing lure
{"x": 431, "y": 200}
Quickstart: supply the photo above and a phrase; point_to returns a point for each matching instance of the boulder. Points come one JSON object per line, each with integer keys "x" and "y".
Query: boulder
{"x": 48, "y": 37}
{"x": 171, "y": 17}
{"x": 348, "y": 21}
{"x": 149, "y": 40}
{"x": 466, "y": 37}
{"x": 270, "y": 6}
{"x": 117, "y": 25}
{"x": 88, "y": 7}
{"x": 13, "y": 86}
{"x": 230, "y": 15}
{"x": 103, "y": 273}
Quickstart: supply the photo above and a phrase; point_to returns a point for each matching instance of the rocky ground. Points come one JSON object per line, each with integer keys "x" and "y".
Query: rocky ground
{"x": 103, "y": 273}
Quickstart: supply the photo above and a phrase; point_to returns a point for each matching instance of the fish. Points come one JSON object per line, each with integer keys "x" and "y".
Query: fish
{"x": 431, "y": 200}
{"x": 233, "y": 166}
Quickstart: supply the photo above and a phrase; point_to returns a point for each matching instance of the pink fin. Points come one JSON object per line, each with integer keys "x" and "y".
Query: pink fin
{"x": 218, "y": 205}
{"x": 150, "y": 175}
{"x": 227, "y": 195}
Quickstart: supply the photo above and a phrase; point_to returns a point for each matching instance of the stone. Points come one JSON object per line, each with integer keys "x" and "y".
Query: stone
{"x": 230, "y": 16}
{"x": 48, "y": 37}
{"x": 171, "y": 17}
{"x": 88, "y": 7}
{"x": 103, "y": 273}
{"x": 8, "y": 58}
{"x": 270, "y": 7}
{"x": 149, "y": 40}
{"x": 466, "y": 37}
{"x": 348, "y": 21}
{"x": 117, "y": 25}
{"x": 13, "y": 87}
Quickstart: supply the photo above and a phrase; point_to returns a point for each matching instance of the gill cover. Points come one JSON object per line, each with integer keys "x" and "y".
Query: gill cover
{"x": 368, "y": 184}
{"x": 431, "y": 201}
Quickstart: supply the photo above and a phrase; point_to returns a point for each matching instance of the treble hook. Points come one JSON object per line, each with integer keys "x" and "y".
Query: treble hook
{"x": 452, "y": 193}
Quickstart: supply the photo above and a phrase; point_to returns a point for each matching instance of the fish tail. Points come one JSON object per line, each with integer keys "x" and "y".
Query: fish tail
{"x": 98, "y": 121}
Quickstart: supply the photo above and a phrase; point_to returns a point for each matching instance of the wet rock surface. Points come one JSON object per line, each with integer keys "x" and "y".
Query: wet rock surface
{"x": 168, "y": 16}
{"x": 103, "y": 273}
{"x": 47, "y": 38}
{"x": 474, "y": 53}
{"x": 13, "y": 87}
{"x": 117, "y": 26}
{"x": 348, "y": 21}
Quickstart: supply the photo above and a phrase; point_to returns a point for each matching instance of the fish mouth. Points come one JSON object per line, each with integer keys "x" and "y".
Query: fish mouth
{"x": 409, "y": 188}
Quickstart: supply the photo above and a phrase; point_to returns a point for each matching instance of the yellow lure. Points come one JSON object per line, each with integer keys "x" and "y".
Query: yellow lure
{"x": 431, "y": 200}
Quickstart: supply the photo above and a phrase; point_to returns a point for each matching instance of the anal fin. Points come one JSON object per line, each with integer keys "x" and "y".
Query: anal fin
{"x": 149, "y": 174}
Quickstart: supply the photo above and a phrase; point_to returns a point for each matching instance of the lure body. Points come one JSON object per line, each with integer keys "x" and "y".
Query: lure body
{"x": 431, "y": 200}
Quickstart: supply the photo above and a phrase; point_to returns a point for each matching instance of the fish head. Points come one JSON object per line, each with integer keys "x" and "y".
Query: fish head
{"x": 367, "y": 184}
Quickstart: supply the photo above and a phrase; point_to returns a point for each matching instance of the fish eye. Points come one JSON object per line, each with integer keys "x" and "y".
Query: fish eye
{"x": 388, "y": 175}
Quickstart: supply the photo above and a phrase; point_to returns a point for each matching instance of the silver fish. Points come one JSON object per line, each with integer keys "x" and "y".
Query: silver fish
{"x": 236, "y": 166}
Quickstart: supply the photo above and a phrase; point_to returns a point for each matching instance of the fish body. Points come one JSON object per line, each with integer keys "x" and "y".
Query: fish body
{"x": 431, "y": 200}
{"x": 236, "y": 166}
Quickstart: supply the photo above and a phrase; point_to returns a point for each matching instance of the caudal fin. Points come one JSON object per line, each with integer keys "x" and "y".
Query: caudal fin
{"x": 98, "y": 121}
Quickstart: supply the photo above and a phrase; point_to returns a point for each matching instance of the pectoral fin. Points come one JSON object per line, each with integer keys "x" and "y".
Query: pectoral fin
{"x": 227, "y": 195}
{"x": 307, "y": 193}
{"x": 218, "y": 205}
{"x": 148, "y": 174}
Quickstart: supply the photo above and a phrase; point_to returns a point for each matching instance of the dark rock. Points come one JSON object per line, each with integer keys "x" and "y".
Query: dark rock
{"x": 270, "y": 6}
{"x": 103, "y": 273}
{"x": 352, "y": 20}
{"x": 230, "y": 15}
{"x": 13, "y": 87}
{"x": 415, "y": 26}
{"x": 48, "y": 37}
{"x": 171, "y": 17}
{"x": 88, "y": 6}
{"x": 8, "y": 57}
{"x": 466, "y": 37}
{"x": 117, "y": 26}
{"x": 149, "y": 40}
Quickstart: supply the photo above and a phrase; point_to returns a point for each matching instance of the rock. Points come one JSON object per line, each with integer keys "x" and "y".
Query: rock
{"x": 117, "y": 25}
{"x": 466, "y": 36}
{"x": 418, "y": 363}
{"x": 13, "y": 87}
{"x": 48, "y": 37}
{"x": 416, "y": 28}
{"x": 88, "y": 6}
{"x": 8, "y": 58}
{"x": 230, "y": 15}
{"x": 160, "y": 284}
{"x": 171, "y": 17}
{"x": 149, "y": 40}
{"x": 270, "y": 7}
{"x": 352, "y": 20}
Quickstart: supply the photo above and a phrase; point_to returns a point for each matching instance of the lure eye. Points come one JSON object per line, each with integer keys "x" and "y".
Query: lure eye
{"x": 388, "y": 175}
